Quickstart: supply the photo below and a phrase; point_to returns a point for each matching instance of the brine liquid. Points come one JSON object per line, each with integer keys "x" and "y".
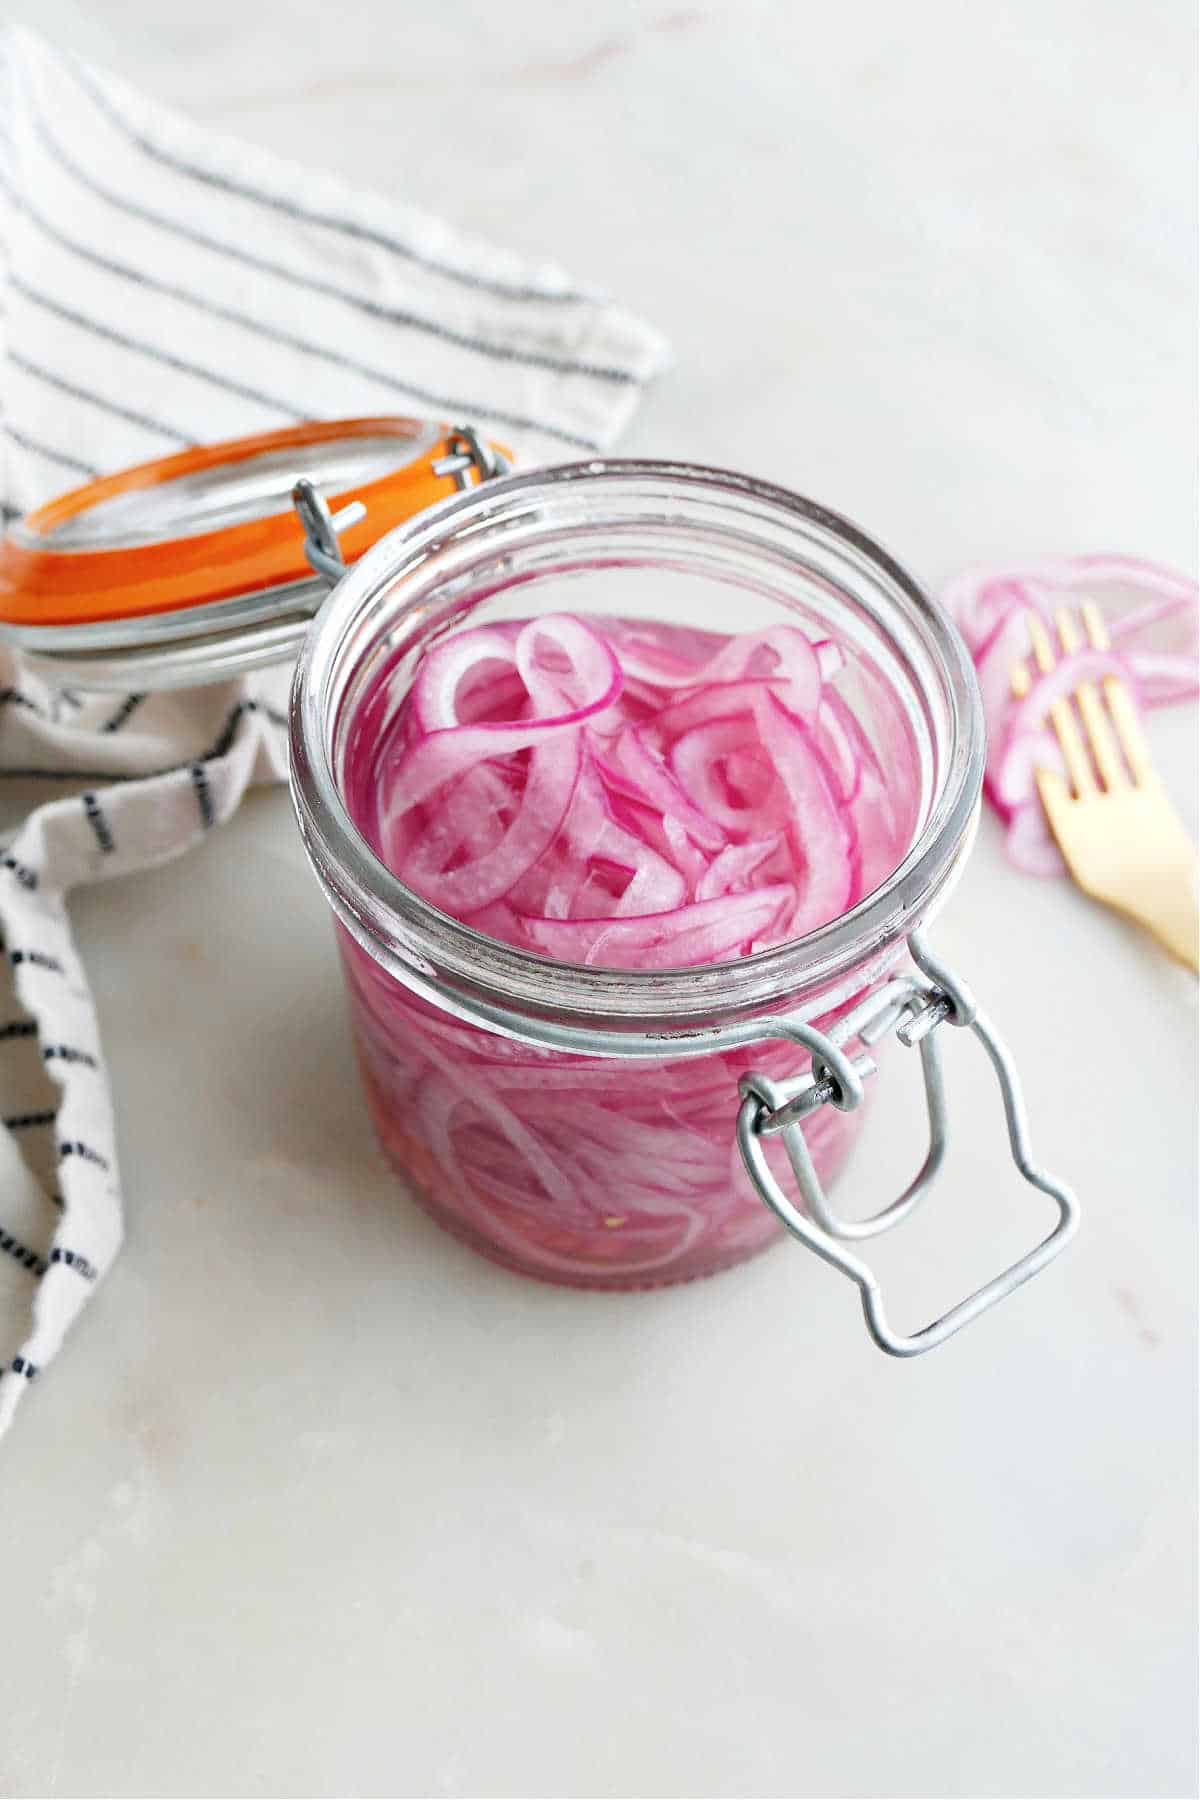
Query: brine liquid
{"x": 713, "y": 796}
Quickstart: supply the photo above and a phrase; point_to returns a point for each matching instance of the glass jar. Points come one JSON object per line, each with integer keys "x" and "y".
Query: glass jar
{"x": 612, "y": 1128}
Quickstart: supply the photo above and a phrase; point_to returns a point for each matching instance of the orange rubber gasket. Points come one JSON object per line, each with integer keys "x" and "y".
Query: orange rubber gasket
{"x": 47, "y": 587}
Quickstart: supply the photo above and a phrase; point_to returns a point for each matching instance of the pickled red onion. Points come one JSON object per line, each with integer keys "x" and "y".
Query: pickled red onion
{"x": 1154, "y": 649}
{"x": 628, "y": 794}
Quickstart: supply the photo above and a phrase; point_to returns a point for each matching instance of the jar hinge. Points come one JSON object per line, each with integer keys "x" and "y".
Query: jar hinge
{"x": 913, "y": 1006}
{"x": 466, "y": 453}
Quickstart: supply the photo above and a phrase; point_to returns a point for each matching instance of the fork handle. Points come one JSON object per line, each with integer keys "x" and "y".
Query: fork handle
{"x": 1169, "y": 909}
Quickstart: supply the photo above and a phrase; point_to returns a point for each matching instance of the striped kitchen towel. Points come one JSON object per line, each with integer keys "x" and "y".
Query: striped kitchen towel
{"x": 159, "y": 287}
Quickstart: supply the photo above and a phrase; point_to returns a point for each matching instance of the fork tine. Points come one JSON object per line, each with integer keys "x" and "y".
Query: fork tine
{"x": 1129, "y": 732}
{"x": 1096, "y": 725}
{"x": 1094, "y": 625}
{"x": 1039, "y": 640}
{"x": 1121, "y": 709}
{"x": 1079, "y": 768}
{"x": 1068, "y": 631}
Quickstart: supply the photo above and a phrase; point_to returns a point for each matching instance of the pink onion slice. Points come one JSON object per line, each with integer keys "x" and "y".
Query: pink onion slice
{"x": 817, "y": 825}
{"x": 841, "y": 745}
{"x": 552, "y": 776}
{"x": 729, "y": 774}
{"x": 635, "y": 796}
{"x": 732, "y": 869}
{"x": 446, "y": 752}
{"x": 704, "y": 931}
{"x": 1154, "y": 650}
{"x": 831, "y": 659}
{"x": 444, "y": 669}
{"x": 659, "y": 786}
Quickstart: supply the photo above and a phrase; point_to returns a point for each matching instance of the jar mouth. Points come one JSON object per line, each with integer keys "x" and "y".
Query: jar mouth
{"x": 388, "y": 595}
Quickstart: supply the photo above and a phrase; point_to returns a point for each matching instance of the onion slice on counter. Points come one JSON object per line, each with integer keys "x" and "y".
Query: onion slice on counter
{"x": 1151, "y": 614}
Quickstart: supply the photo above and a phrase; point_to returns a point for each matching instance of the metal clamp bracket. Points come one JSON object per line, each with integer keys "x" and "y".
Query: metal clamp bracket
{"x": 913, "y": 1006}
{"x": 468, "y": 454}
{"x": 321, "y": 528}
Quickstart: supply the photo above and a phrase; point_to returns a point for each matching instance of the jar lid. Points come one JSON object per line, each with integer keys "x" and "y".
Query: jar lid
{"x": 196, "y": 566}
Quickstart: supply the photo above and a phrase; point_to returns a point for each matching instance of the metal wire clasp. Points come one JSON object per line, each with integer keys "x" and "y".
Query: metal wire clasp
{"x": 913, "y": 1006}
{"x": 321, "y": 528}
{"x": 467, "y": 453}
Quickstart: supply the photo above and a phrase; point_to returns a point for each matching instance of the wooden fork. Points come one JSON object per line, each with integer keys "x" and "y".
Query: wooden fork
{"x": 1119, "y": 834}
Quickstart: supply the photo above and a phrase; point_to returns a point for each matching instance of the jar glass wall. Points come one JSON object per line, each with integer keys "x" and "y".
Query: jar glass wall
{"x": 577, "y": 1123}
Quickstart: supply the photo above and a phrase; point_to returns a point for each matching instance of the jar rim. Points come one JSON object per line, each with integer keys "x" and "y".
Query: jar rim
{"x": 483, "y": 978}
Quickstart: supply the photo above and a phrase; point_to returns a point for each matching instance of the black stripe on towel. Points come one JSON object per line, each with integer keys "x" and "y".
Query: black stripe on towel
{"x": 21, "y": 1253}
{"x": 444, "y": 405}
{"x": 170, "y": 361}
{"x": 84, "y": 1152}
{"x": 402, "y": 318}
{"x": 124, "y": 712}
{"x": 73, "y": 1260}
{"x": 74, "y": 463}
{"x": 11, "y": 696}
{"x": 292, "y": 209}
{"x": 67, "y": 1053}
{"x": 128, "y": 413}
{"x": 99, "y": 824}
{"x": 24, "y": 874}
{"x": 37, "y": 959}
{"x": 199, "y": 775}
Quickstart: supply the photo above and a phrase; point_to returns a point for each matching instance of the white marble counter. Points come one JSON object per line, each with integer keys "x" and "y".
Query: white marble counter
{"x": 315, "y": 1502}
